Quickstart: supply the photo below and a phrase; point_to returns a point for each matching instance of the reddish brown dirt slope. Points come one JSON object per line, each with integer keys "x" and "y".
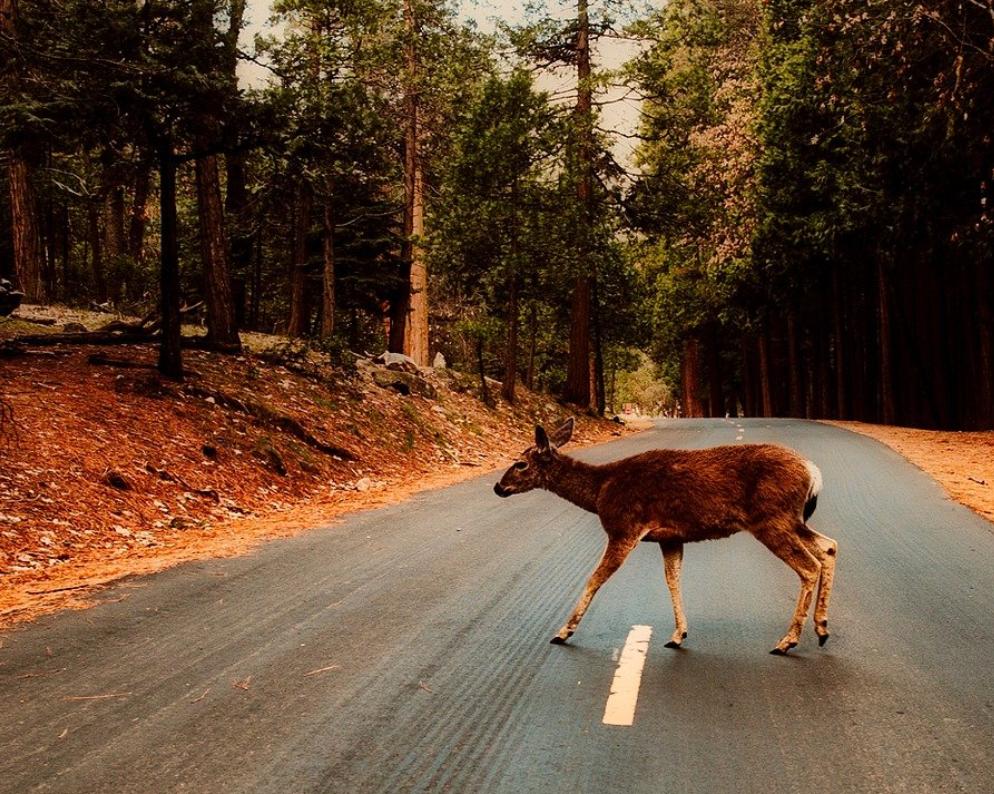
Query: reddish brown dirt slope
{"x": 198, "y": 478}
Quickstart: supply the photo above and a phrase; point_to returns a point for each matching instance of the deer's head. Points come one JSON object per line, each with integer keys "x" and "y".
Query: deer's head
{"x": 531, "y": 469}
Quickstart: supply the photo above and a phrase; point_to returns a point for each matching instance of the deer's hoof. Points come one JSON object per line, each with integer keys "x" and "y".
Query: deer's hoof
{"x": 778, "y": 651}
{"x": 559, "y": 639}
{"x": 673, "y": 644}
{"x": 822, "y": 639}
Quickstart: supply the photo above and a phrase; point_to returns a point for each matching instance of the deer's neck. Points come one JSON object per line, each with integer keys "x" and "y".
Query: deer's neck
{"x": 577, "y": 482}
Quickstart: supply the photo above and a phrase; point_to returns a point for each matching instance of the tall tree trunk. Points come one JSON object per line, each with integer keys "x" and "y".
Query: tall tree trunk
{"x": 765, "y": 393}
{"x": 170, "y": 353}
{"x": 511, "y": 345}
{"x": 887, "y": 408}
{"x": 532, "y": 346}
{"x": 139, "y": 212}
{"x": 256, "y": 299}
{"x": 415, "y": 304}
{"x": 985, "y": 348}
{"x": 96, "y": 250}
{"x": 691, "y": 377}
{"x": 24, "y": 229}
{"x": 25, "y": 235}
{"x": 748, "y": 379}
{"x": 716, "y": 400}
{"x": 578, "y": 389}
{"x": 793, "y": 365}
{"x": 511, "y": 342}
{"x": 841, "y": 411}
{"x": 328, "y": 273}
{"x": 599, "y": 401}
{"x": 114, "y": 241}
{"x": 221, "y": 327}
{"x": 297, "y": 325}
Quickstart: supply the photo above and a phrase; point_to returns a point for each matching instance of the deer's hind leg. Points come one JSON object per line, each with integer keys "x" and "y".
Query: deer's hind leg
{"x": 615, "y": 554}
{"x": 826, "y": 551}
{"x": 785, "y": 542}
{"x": 672, "y": 563}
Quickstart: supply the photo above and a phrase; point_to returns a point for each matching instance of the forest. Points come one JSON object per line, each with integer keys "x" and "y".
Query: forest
{"x": 804, "y": 228}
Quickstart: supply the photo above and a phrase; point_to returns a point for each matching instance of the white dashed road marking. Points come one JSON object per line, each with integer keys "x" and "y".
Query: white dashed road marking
{"x": 620, "y": 707}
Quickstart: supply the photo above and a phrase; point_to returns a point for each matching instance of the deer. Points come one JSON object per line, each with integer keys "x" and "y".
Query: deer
{"x": 674, "y": 496}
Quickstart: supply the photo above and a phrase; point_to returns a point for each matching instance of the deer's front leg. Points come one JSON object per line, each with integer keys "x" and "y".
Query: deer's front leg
{"x": 672, "y": 563}
{"x": 614, "y": 555}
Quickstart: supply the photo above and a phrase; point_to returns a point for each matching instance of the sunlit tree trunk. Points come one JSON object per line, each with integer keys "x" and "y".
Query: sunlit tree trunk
{"x": 221, "y": 327}
{"x": 578, "y": 381}
{"x": 412, "y": 309}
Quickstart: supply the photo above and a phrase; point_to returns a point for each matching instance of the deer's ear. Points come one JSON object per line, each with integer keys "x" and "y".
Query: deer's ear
{"x": 563, "y": 433}
{"x": 541, "y": 439}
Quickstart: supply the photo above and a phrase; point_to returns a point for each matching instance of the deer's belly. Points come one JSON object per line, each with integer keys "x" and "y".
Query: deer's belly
{"x": 693, "y": 534}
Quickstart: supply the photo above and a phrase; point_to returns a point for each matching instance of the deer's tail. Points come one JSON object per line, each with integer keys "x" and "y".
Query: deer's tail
{"x": 814, "y": 488}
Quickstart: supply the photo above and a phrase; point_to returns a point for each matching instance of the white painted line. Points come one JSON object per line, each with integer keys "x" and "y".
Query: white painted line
{"x": 620, "y": 707}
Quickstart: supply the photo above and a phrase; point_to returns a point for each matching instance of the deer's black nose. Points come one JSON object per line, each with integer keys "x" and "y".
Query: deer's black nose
{"x": 500, "y": 490}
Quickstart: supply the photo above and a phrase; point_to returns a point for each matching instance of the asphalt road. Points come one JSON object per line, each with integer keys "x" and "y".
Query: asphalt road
{"x": 434, "y": 618}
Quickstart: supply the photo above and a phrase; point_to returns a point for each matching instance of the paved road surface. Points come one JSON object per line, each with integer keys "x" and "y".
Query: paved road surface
{"x": 436, "y": 616}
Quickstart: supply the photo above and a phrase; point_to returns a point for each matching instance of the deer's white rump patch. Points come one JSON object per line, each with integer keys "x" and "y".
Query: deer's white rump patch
{"x": 816, "y": 482}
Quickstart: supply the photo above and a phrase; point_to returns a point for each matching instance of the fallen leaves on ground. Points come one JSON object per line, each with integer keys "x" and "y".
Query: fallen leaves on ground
{"x": 112, "y": 471}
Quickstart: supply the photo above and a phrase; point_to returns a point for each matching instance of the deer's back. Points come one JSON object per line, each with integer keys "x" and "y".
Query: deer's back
{"x": 703, "y": 494}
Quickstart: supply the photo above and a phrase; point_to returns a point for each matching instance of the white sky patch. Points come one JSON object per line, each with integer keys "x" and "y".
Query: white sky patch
{"x": 620, "y": 706}
{"x": 620, "y": 111}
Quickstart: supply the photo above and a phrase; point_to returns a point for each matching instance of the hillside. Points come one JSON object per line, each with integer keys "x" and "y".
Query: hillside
{"x": 110, "y": 470}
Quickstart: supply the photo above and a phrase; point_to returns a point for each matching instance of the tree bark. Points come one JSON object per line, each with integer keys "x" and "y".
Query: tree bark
{"x": 139, "y": 213}
{"x": 328, "y": 274}
{"x": 765, "y": 394}
{"x": 511, "y": 343}
{"x": 221, "y": 327}
{"x": 794, "y": 365}
{"x": 96, "y": 250}
{"x": 24, "y": 230}
{"x": 511, "y": 346}
{"x": 985, "y": 348}
{"x": 691, "y": 377}
{"x": 748, "y": 380}
{"x": 841, "y": 402}
{"x": 297, "y": 325}
{"x": 532, "y": 347}
{"x": 170, "y": 352}
{"x": 886, "y": 371}
{"x": 25, "y": 235}
{"x": 114, "y": 240}
{"x": 578, "y": 379}
{"x": 716, "y": 400}
{"x": 415, "y": 333}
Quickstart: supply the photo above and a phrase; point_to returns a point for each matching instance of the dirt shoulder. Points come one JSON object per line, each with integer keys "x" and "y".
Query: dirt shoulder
{"x": 962, "y": 462}
{"x": 109, "y": 471}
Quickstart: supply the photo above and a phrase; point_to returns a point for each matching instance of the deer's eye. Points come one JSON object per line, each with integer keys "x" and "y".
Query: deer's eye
{"x": 521, "y": 465}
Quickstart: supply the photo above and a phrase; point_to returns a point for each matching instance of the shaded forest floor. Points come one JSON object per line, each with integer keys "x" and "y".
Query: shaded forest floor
{"x": 109, "y": 471}
{"x": 962, "y": 462}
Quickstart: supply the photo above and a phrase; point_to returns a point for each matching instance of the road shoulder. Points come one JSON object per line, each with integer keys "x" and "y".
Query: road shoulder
{"x": 961, "y": 462}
